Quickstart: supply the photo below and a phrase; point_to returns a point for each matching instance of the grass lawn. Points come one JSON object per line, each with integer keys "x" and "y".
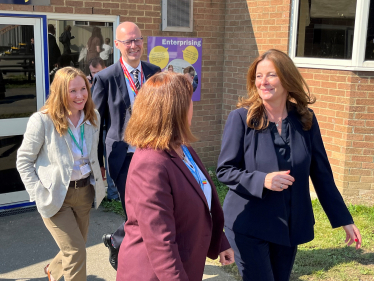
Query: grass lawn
{"x": 326, "y": 257}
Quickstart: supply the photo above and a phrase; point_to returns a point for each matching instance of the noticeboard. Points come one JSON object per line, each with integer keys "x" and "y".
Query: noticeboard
{"x": 27, "y": 2}
{"x": 180, "y": 52}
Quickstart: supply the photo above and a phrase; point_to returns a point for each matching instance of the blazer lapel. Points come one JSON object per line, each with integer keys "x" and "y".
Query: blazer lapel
{"x": 147, "y": 72}
{"x": 121, "y": 84}
{"x": 69, "y": 144}
{"x": 88, "y": 135}
{"x": 176, "y": 159}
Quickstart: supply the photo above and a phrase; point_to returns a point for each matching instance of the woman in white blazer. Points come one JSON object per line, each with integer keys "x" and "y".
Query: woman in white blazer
{"x": 58, "y": 165}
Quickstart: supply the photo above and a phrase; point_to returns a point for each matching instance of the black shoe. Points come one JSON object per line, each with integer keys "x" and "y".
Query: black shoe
{"x": 113, "y": 252}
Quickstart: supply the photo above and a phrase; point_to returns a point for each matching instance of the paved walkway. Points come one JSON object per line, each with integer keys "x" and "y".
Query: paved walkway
{"x": 26, "y": 247}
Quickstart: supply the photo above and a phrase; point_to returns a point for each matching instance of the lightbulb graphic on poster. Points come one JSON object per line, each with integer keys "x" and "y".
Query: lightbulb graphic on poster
{"x": 178, "y": 54}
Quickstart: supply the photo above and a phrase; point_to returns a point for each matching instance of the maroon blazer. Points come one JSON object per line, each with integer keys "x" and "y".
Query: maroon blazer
{"x": 169, "y": 231}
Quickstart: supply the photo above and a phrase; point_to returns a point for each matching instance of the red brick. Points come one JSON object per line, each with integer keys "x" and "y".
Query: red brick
{"x": 74, "y": 3}
{"x": 66, "y": 10}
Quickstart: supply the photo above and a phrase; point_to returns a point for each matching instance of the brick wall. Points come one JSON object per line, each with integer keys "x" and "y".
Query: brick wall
{"x": 251, "y": 27}
{"x": 345, "y": 111}
{"x": 209, "y": 21}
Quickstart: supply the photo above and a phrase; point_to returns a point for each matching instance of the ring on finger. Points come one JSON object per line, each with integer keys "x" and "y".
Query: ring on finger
{"x": 281, "y": 186}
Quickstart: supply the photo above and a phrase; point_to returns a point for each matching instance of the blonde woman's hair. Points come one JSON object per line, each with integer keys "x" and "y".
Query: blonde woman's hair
{"x": 159, "y": 117}
{"x": 57, "y": 104}
{"x": 291, "y": 80}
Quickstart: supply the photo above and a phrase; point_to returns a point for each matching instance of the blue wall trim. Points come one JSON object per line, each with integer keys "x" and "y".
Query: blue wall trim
{"x": 27, "y": 204}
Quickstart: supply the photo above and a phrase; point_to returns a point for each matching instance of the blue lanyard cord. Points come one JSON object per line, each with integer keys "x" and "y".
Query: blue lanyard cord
{"x": 194, "y": 171}
{"x": 75, "y": 141}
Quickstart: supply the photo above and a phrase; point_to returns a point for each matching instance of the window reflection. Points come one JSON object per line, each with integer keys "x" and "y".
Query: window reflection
{"x": 9, "y": 176}
{"x": 369, "y": 54}
{"x": 17, "y": 71}
{"x": 78, "y": 43}
{"x": 325, "y": 28}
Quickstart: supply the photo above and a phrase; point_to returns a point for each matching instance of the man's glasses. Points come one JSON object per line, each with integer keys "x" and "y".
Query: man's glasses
{"x": 128, "y": 43}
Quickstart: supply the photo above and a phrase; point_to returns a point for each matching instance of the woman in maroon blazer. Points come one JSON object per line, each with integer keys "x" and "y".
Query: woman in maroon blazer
{"x": 175, "y": 219}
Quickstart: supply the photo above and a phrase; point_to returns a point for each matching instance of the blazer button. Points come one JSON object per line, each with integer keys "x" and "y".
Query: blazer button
{"x": 97, "y": 179}
{"x": 93, "y": 162}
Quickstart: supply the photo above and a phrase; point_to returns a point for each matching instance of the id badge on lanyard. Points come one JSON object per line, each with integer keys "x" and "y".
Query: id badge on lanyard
{"x": 84, "y": 167}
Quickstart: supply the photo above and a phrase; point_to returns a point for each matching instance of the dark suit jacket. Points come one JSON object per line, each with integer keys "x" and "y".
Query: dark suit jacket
{"x": 53, "y": 50}
{"x": 169, "y": 231}
{"x": 248, "y": 155}
{"x": 112, "y": 100}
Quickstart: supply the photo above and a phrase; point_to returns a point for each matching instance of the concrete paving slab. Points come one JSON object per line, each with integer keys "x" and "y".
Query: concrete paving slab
{"x": 26, "y": 247}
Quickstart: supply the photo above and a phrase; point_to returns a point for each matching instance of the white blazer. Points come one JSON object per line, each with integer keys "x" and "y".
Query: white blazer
{"x": 45, "y": 163}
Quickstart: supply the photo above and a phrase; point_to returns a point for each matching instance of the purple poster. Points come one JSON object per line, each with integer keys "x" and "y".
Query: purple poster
{"x": 178, "y": 54}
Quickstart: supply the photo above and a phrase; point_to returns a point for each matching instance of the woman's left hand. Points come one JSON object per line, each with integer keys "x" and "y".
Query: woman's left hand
{"x": 227, "y": 257}
{"x": 353, "y": 235}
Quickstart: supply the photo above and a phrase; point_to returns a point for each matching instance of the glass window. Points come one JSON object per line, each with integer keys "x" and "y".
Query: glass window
{"x": 369, "y": 54}
{"x": 325, "y": 28}
{"x": 9, "y": 176}
{"x": 77, "y": 43}
{"x": 177, "y": 15}
{"x": 17, "y": 71}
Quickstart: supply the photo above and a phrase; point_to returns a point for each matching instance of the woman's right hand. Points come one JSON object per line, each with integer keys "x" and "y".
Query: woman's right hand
{"x": 278, "y": 181}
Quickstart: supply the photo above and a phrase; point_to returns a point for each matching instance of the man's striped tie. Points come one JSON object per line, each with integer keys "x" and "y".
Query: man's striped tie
{"x": 135, "y": 72}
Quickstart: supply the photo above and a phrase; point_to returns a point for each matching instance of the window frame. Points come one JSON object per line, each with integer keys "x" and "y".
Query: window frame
{"x": 164, "y": 14}
{"x": 358, "y": 49}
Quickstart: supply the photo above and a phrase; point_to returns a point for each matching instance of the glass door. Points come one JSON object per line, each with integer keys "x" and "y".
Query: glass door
{"x": 21, "y": 94}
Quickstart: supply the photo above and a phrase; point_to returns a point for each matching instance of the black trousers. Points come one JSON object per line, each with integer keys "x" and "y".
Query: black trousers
{"x": 259, "y": 260}
{"x": 120, "y": 183}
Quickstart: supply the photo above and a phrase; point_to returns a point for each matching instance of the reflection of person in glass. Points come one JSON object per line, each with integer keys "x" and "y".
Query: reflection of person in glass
{"x": 107, "y": 53}
{"x": 271, "y": 146}
{"x": 175, "y": 218}
{"x": 59, "y": 167}
{"x": 65, "y": 39}
{"x": 94, "y": 44}
{"x": 54, "y": 52}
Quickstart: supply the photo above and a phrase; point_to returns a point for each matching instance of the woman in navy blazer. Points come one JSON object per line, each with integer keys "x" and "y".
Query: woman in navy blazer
{"x": 175, "y": 219}
{"x": 271, "y": 145}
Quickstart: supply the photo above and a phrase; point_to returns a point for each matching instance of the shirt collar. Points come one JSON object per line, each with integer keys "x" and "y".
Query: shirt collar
{"x": 80, "y": 120}
{"x": 130, "y": 68}
{"x": 52, "y": 34}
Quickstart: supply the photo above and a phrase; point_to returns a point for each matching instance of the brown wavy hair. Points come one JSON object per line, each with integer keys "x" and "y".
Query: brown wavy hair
{"x": 159, "y": 117}
{"x": 298, "y": 91}
{"x": 57, "y": 104}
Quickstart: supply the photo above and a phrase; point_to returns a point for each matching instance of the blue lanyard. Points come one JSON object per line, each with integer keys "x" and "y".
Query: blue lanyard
{"x": 75, "y": 141}
{"x": 194, "y": 171}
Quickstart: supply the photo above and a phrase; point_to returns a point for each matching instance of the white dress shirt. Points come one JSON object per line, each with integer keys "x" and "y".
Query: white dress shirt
{"x": 131, "y": 93}
{"x": 77, "y": 155}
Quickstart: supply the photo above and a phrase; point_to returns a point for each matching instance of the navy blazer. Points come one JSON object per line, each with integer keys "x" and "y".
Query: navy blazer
{"x": 248, "y": 155}
{"x": 111, "y": 97}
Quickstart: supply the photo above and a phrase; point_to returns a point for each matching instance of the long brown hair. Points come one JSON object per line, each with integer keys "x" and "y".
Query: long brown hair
{"x": 159, "y": 118}
{"x": 291, "y": 80}
{"x": 57, "y": 104}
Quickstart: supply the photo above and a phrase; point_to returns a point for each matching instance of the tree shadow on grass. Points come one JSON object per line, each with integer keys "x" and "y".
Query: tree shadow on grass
{"x": 310, "y": 261}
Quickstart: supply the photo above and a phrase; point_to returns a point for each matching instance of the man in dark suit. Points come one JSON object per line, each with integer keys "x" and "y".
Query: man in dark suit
{"x": 115, "y": 89}
{"x": 53, "y": 50}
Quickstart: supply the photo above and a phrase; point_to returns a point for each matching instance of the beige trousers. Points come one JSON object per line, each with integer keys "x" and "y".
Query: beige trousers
{"x": 69, "y": 228}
